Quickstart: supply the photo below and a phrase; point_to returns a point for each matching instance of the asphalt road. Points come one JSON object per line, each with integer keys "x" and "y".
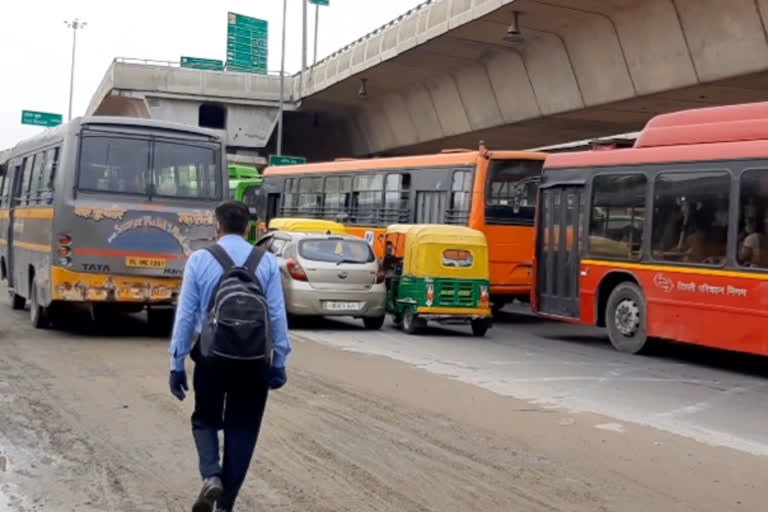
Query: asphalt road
{"x": 538, "y": 416}
{"x": 708, "y": 395}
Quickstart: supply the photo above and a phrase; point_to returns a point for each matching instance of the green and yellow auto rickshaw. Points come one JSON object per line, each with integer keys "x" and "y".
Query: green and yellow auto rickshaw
{"x": 437, "y": 272}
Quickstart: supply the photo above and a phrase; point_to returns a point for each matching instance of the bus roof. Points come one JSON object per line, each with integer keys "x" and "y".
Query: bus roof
{"x": 716, "y": 133}
{"x": 136, "y": 122}
{"x": 439, "y": 159}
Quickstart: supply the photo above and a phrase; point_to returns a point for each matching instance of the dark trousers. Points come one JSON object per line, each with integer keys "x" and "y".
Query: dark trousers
{"x": 229, "y": 395}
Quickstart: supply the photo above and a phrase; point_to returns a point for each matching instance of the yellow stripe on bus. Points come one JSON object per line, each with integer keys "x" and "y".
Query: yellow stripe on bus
{"x": 4, "y": 214}
{"x": 674, "y": 268}
{"x": 33, "y": 213}
{"x": 32, "y": 247}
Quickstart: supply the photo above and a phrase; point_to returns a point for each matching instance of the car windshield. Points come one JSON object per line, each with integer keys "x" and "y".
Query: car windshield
{"x": 331, "y": 250}
{"x": 143, "y": 167}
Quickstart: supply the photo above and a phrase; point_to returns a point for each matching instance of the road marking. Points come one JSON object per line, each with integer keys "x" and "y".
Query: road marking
{"x": 611, "y": 427}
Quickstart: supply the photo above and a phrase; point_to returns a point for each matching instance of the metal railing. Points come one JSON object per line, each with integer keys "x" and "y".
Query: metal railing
{"x": 177, "y": 64}
{"x": 375, "y": 32}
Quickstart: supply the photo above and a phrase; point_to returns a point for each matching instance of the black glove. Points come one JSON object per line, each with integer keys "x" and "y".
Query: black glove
{"x": 276, "y": 378}
{"x": 178, "y": 384}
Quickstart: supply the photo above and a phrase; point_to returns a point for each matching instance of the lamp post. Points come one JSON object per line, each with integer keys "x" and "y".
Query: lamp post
{"x": 282, "y": 85}
{"x": 75, "y": 26}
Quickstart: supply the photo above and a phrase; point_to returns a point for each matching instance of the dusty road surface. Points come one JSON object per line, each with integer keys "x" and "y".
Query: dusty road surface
{"x": 87, "y": 424}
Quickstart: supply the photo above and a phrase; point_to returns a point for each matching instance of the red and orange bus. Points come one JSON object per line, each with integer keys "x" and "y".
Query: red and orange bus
{"x": 667, "y": 239}
{"x": 493, "y": 191}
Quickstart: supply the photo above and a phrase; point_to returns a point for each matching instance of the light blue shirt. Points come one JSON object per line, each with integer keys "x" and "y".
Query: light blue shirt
{"x": 201, "y": 275}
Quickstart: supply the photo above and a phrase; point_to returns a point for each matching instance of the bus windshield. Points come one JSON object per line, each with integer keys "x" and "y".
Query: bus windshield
{"x": 511, "y": 191}
{"x": 143, "y": 167}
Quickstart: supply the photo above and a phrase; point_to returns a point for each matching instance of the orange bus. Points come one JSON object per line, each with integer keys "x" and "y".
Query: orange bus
{"x": 492, "y": 191}
{"x": 667, "y": 239}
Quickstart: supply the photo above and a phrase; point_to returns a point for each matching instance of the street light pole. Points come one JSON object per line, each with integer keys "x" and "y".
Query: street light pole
{"x": 282, "y": 85}
{"x": 74, "y": 25}
{"x": 317, "y": 24}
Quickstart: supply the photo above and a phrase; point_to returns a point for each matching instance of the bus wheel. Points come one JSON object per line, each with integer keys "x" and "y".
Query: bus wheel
{"x": 37, "y": 313}
{"x": 626, "y": 318}
{"x": 160, "y": 320}
{"x": 412, "y": 324}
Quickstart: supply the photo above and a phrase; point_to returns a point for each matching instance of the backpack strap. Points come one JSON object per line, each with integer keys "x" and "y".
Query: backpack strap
{"x": 254, "y": 259}
{"x": 221, "y": 256}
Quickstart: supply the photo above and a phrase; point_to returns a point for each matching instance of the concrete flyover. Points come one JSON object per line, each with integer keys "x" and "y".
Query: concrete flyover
{"x": 449, "y": 73}
{"x": 245, "y": 105}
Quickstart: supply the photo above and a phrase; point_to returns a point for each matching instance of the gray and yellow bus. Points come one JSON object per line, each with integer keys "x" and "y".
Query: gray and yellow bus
{"x": 102, "y": 213}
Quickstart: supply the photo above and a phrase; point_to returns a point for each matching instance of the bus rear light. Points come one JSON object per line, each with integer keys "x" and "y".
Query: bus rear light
{"x": 65, "y": 239}
{"x": 295, "y": 270}
{"x": 64, "y": 261}
{"x": 64, "y": 251}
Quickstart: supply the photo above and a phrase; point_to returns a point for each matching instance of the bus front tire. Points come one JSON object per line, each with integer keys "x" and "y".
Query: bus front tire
{"x": 37, "y": 313}
{"x": 625, "y": 317}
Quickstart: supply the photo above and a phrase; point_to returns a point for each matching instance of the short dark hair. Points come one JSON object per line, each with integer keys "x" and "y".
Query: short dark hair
{"x": 233, "y": 217}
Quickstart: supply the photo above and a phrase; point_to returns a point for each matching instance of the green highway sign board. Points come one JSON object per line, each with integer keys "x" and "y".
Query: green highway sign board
{"x": 286, "y": 160}
{"x": 40, "y": 118}
{"x": 197, "y": 63}
{"x": 247, "y": 47}
{"x": 320, "y": 2}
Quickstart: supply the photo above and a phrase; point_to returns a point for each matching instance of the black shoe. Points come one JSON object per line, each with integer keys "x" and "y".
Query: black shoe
{"x": 211, "y": 491}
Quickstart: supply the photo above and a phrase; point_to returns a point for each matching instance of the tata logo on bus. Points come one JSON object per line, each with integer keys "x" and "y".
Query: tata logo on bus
{"x": 663, "y": 282}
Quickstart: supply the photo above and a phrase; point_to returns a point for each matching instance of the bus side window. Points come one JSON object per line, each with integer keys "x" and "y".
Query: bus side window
{"x": 461, "y": 192}
{"x": 49, "y": 175}
{"x": 4, "y": 181}
{"x": 752, "y": 239}
{"x": 687, "y": 217}
{"x": 23, "y": 190}
{"x": 617, "y": 216}
{"x": 510, "y": 192}
{"x": 34, "y": 193}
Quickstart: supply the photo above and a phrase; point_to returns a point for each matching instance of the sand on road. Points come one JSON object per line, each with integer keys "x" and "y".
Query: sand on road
{"x": 87, "y": 424}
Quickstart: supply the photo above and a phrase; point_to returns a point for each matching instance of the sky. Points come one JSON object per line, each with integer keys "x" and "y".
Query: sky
{"x": 36, "y": 45}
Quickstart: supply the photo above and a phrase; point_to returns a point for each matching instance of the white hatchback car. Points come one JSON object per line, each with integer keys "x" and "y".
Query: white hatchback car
{"x": 329, "y": 275}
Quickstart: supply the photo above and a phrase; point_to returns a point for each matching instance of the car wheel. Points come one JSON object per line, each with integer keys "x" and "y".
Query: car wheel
{"x": 412, "y": 324}
{"x": 37, "y": 313}
{"x": 626, "y": 318}
{"x": 373, "y": 322}
{"x": 480, "y": 326}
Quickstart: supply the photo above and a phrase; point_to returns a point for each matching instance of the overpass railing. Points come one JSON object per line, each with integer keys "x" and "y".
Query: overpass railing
{"x": 177, "y": 64}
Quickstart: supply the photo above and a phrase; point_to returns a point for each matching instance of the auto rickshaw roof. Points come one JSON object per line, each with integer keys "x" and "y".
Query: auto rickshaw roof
{"x": 439, "y": 233}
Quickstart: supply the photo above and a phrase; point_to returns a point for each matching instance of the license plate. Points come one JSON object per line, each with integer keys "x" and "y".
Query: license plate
{"x": 138, "y": 262}
{"x": 342, "y": 306}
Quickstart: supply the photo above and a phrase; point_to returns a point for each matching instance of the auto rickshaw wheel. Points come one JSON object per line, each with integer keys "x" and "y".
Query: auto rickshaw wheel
{"x": 397, "y": 319}
{"x": 412, "y": 323}
{"x": 480, "y": 326}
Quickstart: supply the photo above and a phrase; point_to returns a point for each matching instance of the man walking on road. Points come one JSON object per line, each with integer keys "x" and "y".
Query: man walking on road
{"x": 230, "y": 391}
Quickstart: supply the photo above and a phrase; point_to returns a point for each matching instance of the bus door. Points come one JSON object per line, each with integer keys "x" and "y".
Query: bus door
{"x": 14, "y": 200}
{"x": 559, "y": 248}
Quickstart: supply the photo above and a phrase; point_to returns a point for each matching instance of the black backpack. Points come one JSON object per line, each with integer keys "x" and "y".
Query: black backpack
{"x": 237, "y": 323}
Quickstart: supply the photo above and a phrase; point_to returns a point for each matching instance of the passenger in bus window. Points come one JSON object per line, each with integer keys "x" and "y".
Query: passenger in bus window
{"x": 693, "y": 243}
{"x": 754, "y": 249}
